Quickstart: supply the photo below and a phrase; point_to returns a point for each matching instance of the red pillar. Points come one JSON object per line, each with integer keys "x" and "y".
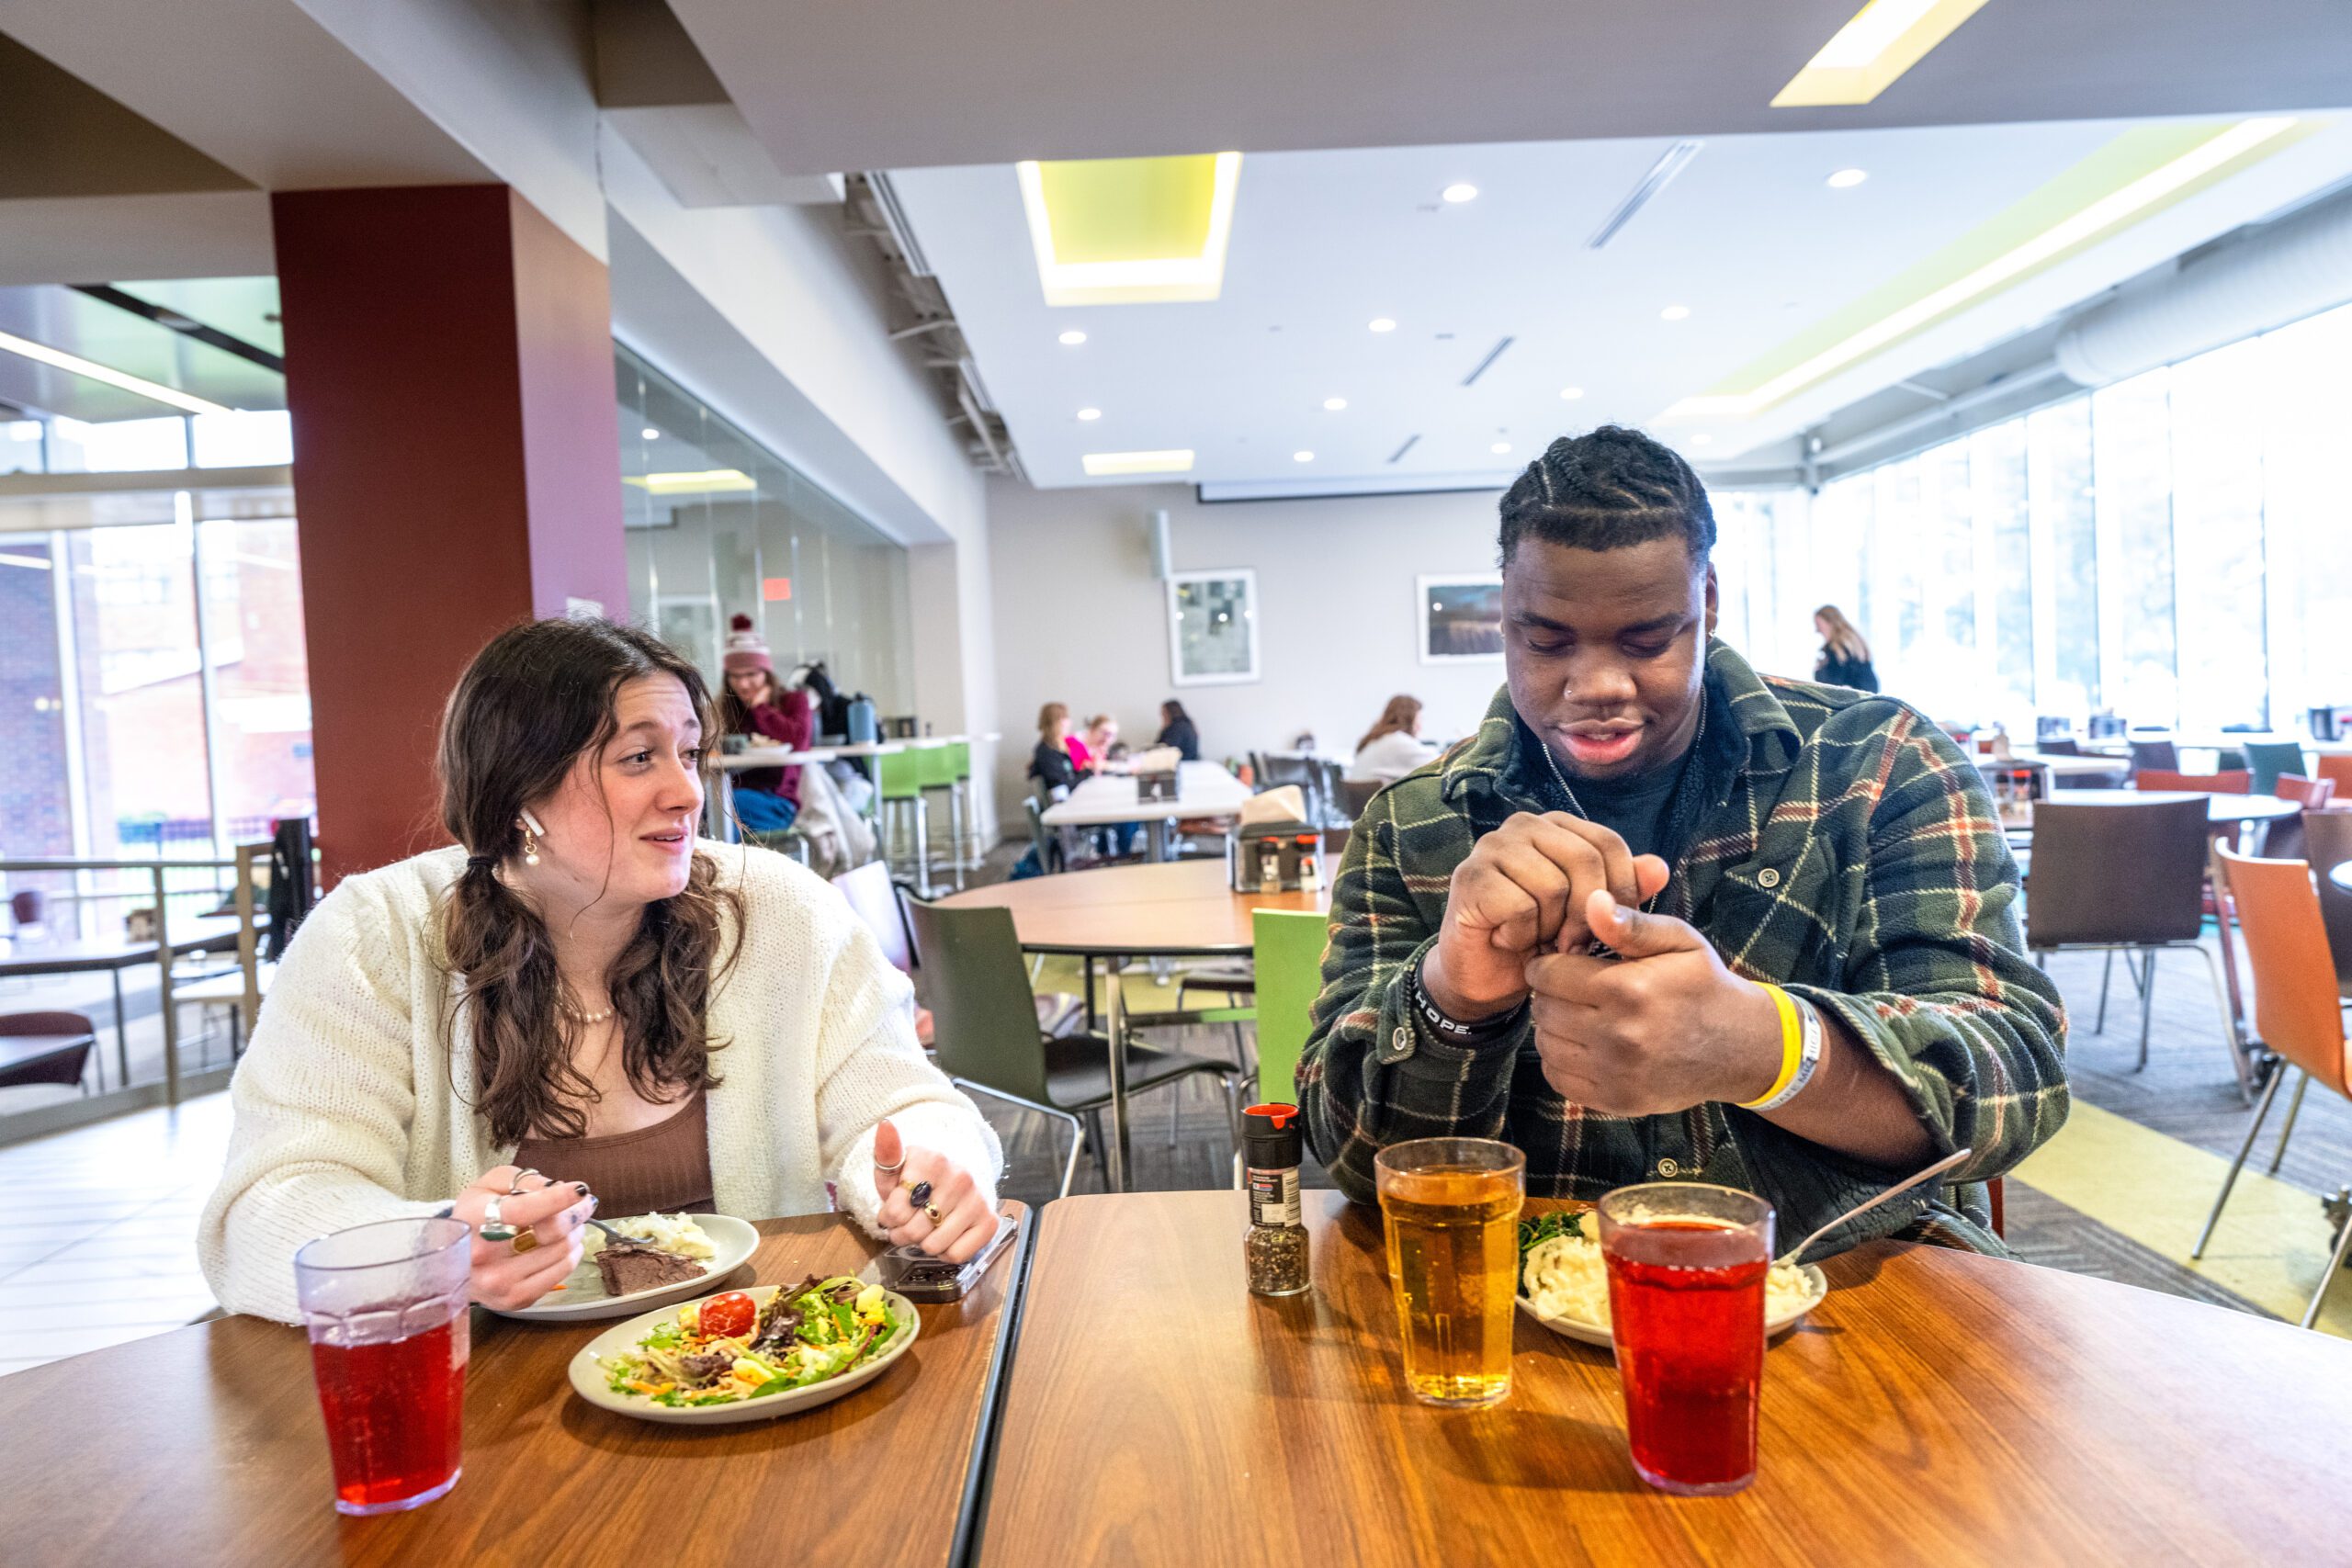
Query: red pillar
{"x": 456, "y": 469}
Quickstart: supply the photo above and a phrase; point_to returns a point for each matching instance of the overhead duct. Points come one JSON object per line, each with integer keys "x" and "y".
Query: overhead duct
{"x": 2278, "y": 274}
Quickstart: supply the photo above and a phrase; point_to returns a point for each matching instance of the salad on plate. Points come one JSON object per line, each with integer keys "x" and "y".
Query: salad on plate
{"x": 728, "y": 1348}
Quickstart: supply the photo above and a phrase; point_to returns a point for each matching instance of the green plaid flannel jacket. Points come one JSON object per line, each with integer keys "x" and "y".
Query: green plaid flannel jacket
{"x": 1856, "y": 860}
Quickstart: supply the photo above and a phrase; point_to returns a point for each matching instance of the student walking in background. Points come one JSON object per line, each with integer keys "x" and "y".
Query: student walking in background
{"x": 1393, "y": 746}
{"x": 1845, "y": 658}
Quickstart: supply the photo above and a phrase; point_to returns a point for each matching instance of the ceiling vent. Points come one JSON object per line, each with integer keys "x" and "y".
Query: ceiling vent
{"x": 1670, "y": 163}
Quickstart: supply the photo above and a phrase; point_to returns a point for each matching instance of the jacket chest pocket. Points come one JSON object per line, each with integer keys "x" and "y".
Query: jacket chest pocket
{"x": 1782, "y": 916}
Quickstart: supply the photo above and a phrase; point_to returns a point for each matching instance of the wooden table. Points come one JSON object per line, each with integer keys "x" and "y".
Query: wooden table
{"x": 199, "y": 933}
{"x": 205, "y": 1445}
{"x": 1183, "y": 909}
{"x": 1202, "y": 790}
{"x": 1938, "y": 1408}
{"x": 2220, "y": 809}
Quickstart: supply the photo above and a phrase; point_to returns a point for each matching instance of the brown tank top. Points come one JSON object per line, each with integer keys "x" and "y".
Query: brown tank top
{"x": 664, "y": 1168}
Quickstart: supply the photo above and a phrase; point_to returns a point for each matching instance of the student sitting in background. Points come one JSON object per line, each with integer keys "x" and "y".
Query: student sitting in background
{"x": 1393, "y": 746}
{"x": 767, "y": 800}
{"x": 1176, "y": 729}
{"x": 1051, "y": 765}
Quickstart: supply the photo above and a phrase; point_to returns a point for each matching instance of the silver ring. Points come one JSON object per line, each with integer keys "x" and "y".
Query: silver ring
{"x": 493, "y": 1226}
{"x": 516, "y": 1189}
{"x": 892, "y": 1168}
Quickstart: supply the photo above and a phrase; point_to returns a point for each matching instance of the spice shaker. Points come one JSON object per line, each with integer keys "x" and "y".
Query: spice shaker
{"x": 1275, "y": 1246}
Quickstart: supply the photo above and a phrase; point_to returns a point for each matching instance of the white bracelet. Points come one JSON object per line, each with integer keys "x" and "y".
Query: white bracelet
{"x": 1808, "y": 1056}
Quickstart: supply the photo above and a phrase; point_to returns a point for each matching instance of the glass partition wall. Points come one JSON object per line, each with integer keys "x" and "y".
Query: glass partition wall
{"x": 720, "y": 526}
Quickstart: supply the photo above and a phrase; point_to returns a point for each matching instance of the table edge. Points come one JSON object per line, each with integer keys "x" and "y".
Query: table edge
{"x": 980, "y": 1470}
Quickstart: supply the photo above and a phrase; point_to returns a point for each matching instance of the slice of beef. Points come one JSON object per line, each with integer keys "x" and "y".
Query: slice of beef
{"x": 629, "y": 1269}
{"x": 707, "y": 1367}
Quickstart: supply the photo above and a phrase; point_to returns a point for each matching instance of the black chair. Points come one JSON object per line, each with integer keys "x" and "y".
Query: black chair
{"x": 2125, "y": 879}
{"x": 2161, "y": 755}
{"x": 988, "y": 1041}
{"x": 46, "y": 1047}
{"x": 1356, "y": 794}
{"x": 2059, "y": 746}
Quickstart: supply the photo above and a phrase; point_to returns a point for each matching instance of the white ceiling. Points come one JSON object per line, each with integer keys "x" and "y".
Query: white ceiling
{"x": 903, "y": 83}
{"x": 1749, "y": 237}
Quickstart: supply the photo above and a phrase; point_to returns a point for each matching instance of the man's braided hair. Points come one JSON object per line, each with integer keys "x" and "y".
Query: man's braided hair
{"x": 1602, "y": 490}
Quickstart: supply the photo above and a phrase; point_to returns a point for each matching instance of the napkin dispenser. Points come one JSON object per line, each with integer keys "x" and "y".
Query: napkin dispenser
{"x": 1155, "y": 787}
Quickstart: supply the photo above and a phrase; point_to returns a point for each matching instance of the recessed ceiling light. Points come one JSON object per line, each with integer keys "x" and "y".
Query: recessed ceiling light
{"x": 1572, "y": 393}
{"x": 1335, "y": 404}
{"x": 701, "y": 481}
{"x": 650, "y": 434}
{"x": 1459, "y": 192}
{"x": 2107, "y": 214}
{"x": 1098, "y": 465}
{"x": 1846, "y": 179}
{"x": 1130, "y": 231}
{"x": 1499, "y": 448}
{"x": 1675, "y": 314}
{"x": 1090, "y": 413}
{"x": 1879, "y": 43}
{"x": 1302, "y": 456}
{"x": 1383, "y": 324}
{"x": 1072, "y": 338}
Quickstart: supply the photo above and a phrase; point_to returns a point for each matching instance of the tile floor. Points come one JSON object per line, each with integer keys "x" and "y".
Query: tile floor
{"x": 100, "y": 1245}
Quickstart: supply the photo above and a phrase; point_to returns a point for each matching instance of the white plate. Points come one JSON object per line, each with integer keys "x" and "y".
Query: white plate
{"x": 590, "y": 1379}
{"x": 583, "y": 1299}
{"x": 1594, "y": 1334}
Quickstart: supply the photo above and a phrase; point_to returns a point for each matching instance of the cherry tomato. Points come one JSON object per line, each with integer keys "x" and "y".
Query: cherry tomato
{"x": 724, "y": 1318}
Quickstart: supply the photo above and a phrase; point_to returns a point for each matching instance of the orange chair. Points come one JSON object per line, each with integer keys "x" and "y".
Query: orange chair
{"x": 2337, "y": 771}
{"x": 2235, "y": 781}
{"x": 2296, "y": 1007}
{"x": 2313, "y": 793}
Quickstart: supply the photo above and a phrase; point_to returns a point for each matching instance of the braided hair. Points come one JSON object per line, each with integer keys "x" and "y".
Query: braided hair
{"x": 1605, "y": 490}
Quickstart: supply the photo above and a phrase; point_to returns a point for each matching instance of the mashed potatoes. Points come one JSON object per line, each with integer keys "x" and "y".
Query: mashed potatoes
{"x": 1564, "y": 1277}
{"x": 671, "y": 1233}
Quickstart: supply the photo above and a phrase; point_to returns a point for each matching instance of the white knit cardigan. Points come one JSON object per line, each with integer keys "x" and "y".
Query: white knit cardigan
{"x": 348, "y": 1107}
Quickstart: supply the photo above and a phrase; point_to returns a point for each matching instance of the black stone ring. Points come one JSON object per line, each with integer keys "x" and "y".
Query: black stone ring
{"x": 919, "y": 1194}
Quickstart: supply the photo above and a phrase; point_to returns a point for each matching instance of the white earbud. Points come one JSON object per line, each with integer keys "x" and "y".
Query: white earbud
{"x": 533, "y": 824}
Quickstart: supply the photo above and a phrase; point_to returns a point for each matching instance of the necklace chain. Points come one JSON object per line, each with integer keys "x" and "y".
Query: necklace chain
{"x": 1566, "y": 788}
{"x": 581, "y": 1015}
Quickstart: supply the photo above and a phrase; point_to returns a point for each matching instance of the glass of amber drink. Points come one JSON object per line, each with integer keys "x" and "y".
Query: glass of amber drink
{"x": 1451, "y": 1208}
{"x": 1685, "y": 1264}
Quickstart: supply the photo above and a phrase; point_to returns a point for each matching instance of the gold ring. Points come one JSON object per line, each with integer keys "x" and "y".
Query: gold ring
{"x": 931, "y": 1212}
{"x": 526, "y": 1239}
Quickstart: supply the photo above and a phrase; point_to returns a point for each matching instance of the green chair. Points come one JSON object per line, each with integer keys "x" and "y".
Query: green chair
{"x": 947, "y": 768}
{"x": 2268, "y": 758}
{"x": 1290, "y": 977}
{"x": 985, "y": 1022}
{"x": 897, "y": 777}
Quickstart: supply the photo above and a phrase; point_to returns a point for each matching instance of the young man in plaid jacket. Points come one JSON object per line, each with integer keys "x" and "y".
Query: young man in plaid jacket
{"x": 1664, "y": 918}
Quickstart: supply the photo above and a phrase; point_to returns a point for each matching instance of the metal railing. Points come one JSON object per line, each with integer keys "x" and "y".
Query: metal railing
{"x": 248, "y": 935}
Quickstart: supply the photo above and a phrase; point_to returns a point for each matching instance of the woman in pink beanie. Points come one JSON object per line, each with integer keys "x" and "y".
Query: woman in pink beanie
{"x": 767, "y": 800}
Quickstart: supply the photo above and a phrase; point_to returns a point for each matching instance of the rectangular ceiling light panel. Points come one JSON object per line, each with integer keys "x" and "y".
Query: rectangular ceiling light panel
{"x": 1885, "y": 38}
{"x": 1103, "y": 465}
{"x": 1131, "y": 231}
{"x": 702, "y": 481}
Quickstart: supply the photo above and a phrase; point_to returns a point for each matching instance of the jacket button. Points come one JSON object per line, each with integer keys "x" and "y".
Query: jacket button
{"x": 1768, "y": 877}
{"x": 1669, "y": 1169}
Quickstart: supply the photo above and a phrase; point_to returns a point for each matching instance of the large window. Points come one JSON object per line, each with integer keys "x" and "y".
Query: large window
{"x": 720, "y": 526}
{"x": 2172, "y": 549}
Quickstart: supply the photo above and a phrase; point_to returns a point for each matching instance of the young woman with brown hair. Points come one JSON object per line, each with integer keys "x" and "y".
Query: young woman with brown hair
{"x": 1845, "y": 658}
{"x": 754, "y": 702}
{"x": 583, "y": 985}
{"x": 1393, "y": 745}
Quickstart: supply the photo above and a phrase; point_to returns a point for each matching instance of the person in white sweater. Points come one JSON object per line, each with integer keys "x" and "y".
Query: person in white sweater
{"x": 584, "y": 981}
{"x": 1393, "y": 746}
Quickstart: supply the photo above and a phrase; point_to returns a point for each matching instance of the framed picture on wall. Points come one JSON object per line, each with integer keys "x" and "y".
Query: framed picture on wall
{"x": 689, "y": 622}
{"x": 1462, "y": 619}
{"x": 1213, "y": 627}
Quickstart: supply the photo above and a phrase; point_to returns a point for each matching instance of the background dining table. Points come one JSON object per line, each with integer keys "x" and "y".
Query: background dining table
{"x": 1938, "y": 1407}
{"x": 1180, "y": 909}
{"x": 206, "y": 1446}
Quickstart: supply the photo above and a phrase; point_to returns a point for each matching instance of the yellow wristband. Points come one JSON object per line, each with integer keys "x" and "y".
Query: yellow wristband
{"x": 1792, "y": 1047}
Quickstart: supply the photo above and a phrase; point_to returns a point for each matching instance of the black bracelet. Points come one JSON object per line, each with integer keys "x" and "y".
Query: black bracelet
{"x": 1450, "y": 1028}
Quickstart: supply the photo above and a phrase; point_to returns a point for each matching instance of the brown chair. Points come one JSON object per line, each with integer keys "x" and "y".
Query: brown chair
{"x": 46, "y": 1047}
{"x": 2327, "y": 843}
{"x": 2337, "y": 770}
{"x": 2235, "y": 781}
{"x": 2311, "y": 792}
{"x": 2284, "y": 840}
{"x": 1356, "y": 794}
{"x": 2129, "y": 879}
{"x": 2296, "y": 1008}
